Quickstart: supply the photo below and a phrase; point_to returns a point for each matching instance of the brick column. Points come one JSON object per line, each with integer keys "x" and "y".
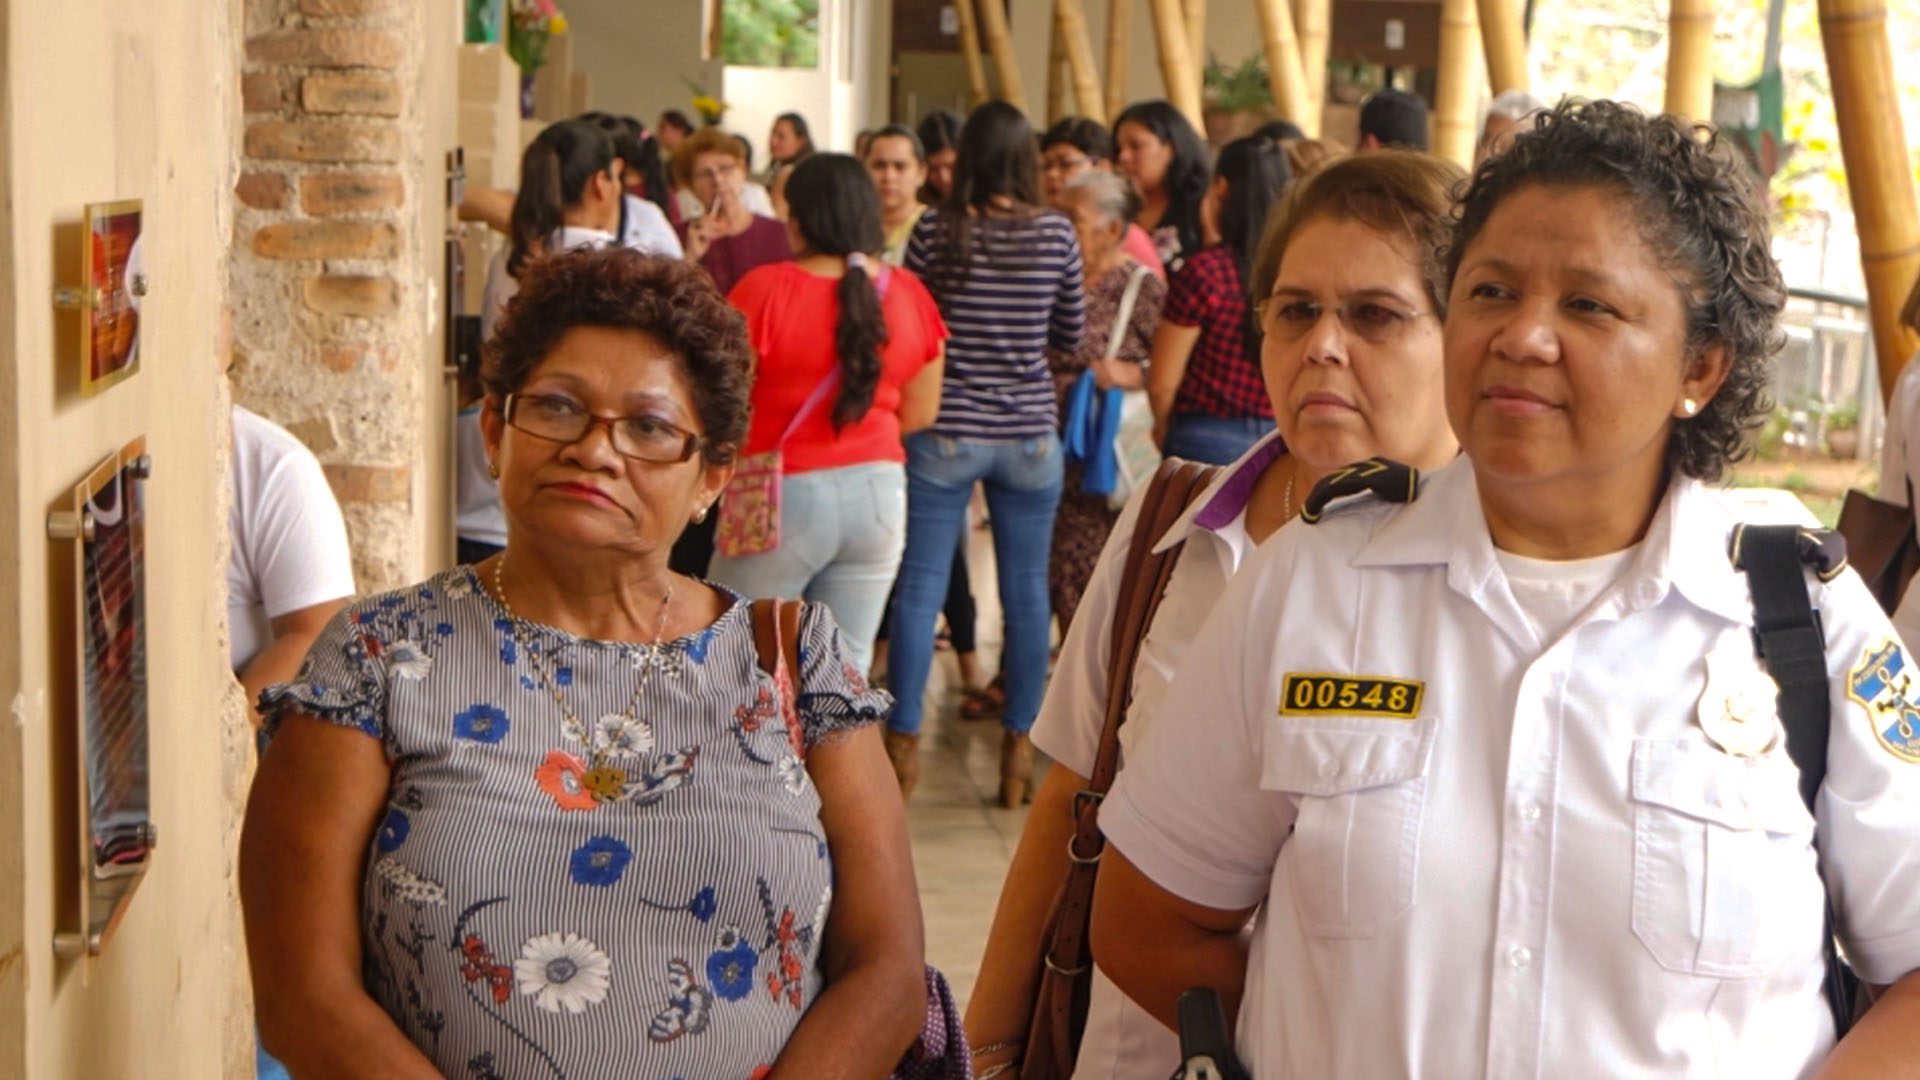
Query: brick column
{"x": 332, "y": 278}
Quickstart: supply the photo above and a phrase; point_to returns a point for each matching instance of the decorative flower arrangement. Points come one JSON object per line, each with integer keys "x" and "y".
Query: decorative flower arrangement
{"x": 710, "y": 108}
{"x": 530, "y": 25}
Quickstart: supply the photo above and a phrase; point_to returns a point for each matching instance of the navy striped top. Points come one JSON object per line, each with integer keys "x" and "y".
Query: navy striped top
{"x": 1018, "y": 295}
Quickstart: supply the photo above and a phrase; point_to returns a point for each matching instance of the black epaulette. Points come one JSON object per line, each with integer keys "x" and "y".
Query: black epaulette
{"x": 1822, "y": 551}
{"x": 1389, "y": 481}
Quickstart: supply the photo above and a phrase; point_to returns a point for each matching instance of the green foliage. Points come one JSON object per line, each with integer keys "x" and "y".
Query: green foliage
{"x": 1843, "y": 417}
{"x": 1797, "y": 482}
{"x": 771, "y": 33}
{"x": 1240, "y": 88}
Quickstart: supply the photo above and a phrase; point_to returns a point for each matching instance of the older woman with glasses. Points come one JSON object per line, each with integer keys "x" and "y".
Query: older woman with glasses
{"x": 547, "y": 815}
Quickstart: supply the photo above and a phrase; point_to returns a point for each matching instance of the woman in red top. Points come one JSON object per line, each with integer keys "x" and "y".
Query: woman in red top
{"x": 851, "y": 357}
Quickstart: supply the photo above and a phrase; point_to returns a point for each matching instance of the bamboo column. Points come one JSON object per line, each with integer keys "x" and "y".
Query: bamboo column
{"x": 1196, "y": 13}
{"x": 977, "y": 92}
{"x": 1006, "y": 65}
{"x": 1459, "y": 82}
{"x": 1506, "y": 42}
{"x": 1070, "y": 23}
{"x": 1690, "y": 59}
{"x": 1176, "y": 60}
{"x": 1284, "y": 76}
{"x": 1119, "y": 29}
{"x": 1057, "y": 88}
{"x": 1879, "y": 176}
{"x": 1313, "y": 19}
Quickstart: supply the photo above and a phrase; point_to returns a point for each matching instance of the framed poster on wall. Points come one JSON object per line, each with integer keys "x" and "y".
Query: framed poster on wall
{"x": 112, "y": 267}
{"x": 106, "y": 527}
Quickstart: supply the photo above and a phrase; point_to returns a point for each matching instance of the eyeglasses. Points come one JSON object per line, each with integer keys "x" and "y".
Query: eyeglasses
{"x": 1065, "y": 164}
{"x": 642, "y": 438}
{"x": 1373, "y": 320}
{"x": 717, "y": 172}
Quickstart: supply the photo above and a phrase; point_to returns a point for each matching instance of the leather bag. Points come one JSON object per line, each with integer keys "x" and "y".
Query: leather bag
{"x": 1066, "y": 977}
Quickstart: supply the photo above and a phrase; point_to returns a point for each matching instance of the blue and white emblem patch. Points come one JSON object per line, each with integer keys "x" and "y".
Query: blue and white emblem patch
{"x": 1883, "y": 683}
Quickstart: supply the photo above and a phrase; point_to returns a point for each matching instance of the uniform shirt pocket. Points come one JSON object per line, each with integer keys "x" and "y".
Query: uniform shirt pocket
{"x": 1361, "y": 787}
{"x": 1719, "y": 842}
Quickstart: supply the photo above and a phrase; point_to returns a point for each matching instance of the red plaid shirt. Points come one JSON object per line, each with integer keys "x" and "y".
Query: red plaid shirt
{"x": 1222, "y": 379}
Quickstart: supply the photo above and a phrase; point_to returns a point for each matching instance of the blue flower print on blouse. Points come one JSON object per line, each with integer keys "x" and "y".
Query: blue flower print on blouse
{"x": 730, "y": 967}
{"x": 600, "y": 861}
{"x": 393, "y": 831}
{"x": 704, "y": 904}
{"x": 481, "y": 723}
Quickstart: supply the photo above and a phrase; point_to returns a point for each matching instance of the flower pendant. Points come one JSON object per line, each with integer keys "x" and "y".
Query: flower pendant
{"x": 605, "y": 782}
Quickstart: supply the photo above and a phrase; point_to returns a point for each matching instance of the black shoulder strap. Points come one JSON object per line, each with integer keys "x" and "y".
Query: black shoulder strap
{"x": 1388, "y": 480}
{"x": 1791, "y": 642}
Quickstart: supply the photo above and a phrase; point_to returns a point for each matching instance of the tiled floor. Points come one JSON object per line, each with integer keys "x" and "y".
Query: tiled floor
{"x": 962, "y": 840}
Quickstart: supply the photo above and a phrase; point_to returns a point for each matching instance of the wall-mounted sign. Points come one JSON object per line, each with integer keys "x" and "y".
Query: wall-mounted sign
{"x": 113, "y": 281}
{"x": 107, "y": 529}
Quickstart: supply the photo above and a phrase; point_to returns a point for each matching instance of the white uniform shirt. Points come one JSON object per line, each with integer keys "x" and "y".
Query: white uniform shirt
{"x": 648, "y": 231}
{"x": 1122, "y": 1040}
{"x": 1547, "y": 870}
{"x": 289, "y": 542}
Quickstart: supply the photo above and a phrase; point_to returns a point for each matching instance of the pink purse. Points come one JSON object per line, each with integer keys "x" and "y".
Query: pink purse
{"x": 750, "y": 507}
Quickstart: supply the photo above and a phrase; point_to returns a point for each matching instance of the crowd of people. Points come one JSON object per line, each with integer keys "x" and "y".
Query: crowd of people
{"x": 1442, "y": 742}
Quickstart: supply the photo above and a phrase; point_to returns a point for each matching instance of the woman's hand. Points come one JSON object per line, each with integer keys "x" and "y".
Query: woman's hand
{"x": 316, "y": 799}
{"x": 1110, "y": 374}
{"x": 874, "y": 953}
{"x": 699, "y": 237}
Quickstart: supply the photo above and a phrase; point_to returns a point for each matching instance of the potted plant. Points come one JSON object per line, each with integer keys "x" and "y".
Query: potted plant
{"x": 1238, "y": 99}
{"x": 531, "y": 24}
{"x": 709, "y": 106}
{"x": 1843, "y": 432}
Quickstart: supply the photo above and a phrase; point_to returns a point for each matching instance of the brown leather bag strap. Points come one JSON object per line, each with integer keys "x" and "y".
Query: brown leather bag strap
{"x": 1143, "y": 584}
{"x": 776, "y": 637}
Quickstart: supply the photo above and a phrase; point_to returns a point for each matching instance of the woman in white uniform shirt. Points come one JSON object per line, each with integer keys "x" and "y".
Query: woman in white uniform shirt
{"x": 1526, "y": 837}
{"x": 1358, "y": 240}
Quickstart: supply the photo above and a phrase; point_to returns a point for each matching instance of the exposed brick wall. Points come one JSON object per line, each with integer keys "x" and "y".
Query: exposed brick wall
{"x": 332, "y": 278}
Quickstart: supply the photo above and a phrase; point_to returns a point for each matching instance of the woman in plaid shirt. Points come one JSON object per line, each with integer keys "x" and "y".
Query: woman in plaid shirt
{"x": 1204, "y": 382}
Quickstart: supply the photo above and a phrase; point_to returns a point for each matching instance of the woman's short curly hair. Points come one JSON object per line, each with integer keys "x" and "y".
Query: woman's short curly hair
{"x": 1695, "y": 204}
{"x": 622, "y": 289}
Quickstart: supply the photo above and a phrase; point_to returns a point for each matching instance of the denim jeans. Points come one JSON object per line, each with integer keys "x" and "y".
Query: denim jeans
{"x": 1022, "y": 481}
{"x": 841, "y": 535}
{"x": 1214, "y": 440}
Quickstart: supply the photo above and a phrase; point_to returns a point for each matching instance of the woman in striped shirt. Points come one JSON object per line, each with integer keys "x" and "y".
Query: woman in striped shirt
{"x": 1007, "y": 276}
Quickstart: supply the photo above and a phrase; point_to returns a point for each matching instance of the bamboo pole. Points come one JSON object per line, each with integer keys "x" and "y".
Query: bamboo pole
{"x": 977, "y": 92}
{"x": 1690, "y": 59}
{"x": 1284, "y": 76}
{"x": 1456, "y": 94}
{"x": 1006, "y": 64}
{"x": 1176, "y": 60}
{"x": 1313, "y": 19}
{"x": 1057, "y": 86}
{"x": 1119, "y": 30}
{"x": 1196, "y": 13}
{"x": 1506, "y": 42}
{"x": 1071, "y": 24}
{"x": 1879, "y": 175}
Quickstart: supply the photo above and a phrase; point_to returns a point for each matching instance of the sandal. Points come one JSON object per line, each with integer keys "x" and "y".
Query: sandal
{"x": 983, "y": 702}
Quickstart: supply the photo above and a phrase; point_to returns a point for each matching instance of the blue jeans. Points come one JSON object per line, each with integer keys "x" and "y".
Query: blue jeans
{"x": 1022, "y": 480}
{"x": 841, "y": 535}
{"x": 1212, "y": 439}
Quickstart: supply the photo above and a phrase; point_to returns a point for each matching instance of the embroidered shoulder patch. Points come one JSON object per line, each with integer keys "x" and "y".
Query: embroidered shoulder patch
{"x": 1883, "y": 683}
{"x": 1315, "y": 694}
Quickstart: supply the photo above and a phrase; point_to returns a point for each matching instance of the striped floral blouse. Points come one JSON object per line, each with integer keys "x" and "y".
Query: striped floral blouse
{"x": 525, "y": 914}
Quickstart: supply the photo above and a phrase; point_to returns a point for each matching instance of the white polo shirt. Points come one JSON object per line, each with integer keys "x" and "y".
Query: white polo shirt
{"x": 1538, "y": 866}
{"x": 1122, "y": 1040}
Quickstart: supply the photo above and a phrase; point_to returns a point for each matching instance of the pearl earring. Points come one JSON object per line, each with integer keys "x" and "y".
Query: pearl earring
{"x": 493, "y": 469}
{"x": 1689, "y": 406}
{"x": 700, "y": 515}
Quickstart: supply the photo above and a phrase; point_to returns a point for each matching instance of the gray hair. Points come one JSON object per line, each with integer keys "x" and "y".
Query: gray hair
{"x": 1105, "y": 193}
{"x": 1510, "y": 105}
